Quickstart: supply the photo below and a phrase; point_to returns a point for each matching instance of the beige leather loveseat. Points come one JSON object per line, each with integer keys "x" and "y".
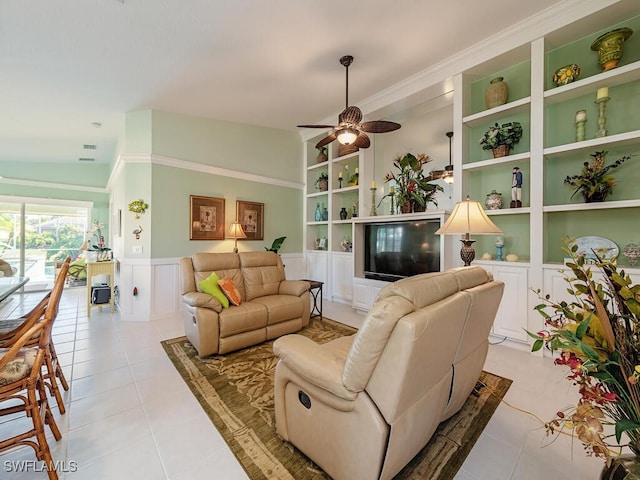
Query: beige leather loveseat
{"x": 363, "y": 406}
{"x": 271, "y": 306}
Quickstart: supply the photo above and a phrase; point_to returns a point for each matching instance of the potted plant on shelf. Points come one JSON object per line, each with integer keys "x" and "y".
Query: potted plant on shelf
{"x": 594, "y": 181}
{"x": 596, "y": 334}
{"x": 412, "y": 190}
{"x": 501, "y": 138}
{"x": 322, "y": 182}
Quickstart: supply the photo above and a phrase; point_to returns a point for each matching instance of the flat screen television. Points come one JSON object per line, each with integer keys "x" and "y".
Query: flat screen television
{"x": 395, "y": 250}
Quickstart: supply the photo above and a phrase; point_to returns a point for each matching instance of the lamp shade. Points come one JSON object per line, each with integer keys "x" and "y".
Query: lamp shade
{"x": 468, "y": 217}
{"x": 236, "y": 231}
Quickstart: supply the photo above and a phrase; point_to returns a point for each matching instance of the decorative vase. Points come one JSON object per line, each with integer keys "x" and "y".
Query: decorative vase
{"x": 565, "y": 75}
{"x": 343, "y": 213}
{"x": 621, "y": 468}
{"x": 493, "y": 200}
{"x": 405, "y": 207}
{"x": 609, "y": 47}
{"x": 318, "y": 214}
{"x": 632, "y": 253}
{"x": 325, "y": 214}
{"x": 416, "y": 207}
{"x": 322, "y": 155}
{"x": 323, "y": 185}
{"x": 497, "y": 93}
{"x": 501, "y": 151}
{"x": 596, "y": 197}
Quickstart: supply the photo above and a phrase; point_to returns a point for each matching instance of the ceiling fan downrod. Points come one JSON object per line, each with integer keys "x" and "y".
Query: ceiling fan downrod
{"x": 346, "y": 61}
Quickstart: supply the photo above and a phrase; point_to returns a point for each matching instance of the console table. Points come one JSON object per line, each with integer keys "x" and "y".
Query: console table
{"x": 100, "y": 268}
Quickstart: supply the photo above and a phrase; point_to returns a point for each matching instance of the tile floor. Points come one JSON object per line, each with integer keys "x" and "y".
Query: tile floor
{"x": 130, "y": 415}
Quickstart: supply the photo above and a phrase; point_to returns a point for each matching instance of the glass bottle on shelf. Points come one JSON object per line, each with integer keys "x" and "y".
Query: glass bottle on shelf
{"x": 318, "y": 215}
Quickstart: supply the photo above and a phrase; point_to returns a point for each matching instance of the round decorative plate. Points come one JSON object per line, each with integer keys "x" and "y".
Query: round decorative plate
{"x": 605, "y": 248}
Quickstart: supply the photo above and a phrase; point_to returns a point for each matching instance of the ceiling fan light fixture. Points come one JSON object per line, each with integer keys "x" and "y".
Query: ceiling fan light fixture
{"x": 347, "y": 136}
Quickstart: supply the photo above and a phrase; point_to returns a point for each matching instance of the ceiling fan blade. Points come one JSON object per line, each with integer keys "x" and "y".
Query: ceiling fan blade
{"x": 362, "y": 141}
{"x": 436, "y": 174}
{"x": 379, "y": 126}
{"x": 326, "y": 140}
{"x": 350, "y": 115}
{"x": 315, "y": 126}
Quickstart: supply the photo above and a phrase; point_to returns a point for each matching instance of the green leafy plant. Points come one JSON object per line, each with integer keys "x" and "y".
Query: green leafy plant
{"x": 507, "y": 134}
{"x": 410, "y": 181}
{"x": 594, "y": 181}
{"x": 275, "y": 246}
{"x": 598, "y": 337}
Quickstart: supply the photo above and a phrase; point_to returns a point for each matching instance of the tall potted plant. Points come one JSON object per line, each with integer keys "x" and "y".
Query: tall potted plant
{"x": 500, "y": 139}
{"x": 412, "y": 190}
{"x": 594, "y": 181}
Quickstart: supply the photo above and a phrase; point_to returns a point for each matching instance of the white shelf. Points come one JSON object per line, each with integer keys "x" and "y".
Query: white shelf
{"x": 317, "y": 165}
{"x": 572, "y": 207}
{"x": 318, "y": 194}
{"x": 493, "y": 114}
{"x": 497, "y": 161}
{"x": 345, "y": 189}
{"x": 509, "y": 211}
{"x": 317, "y": 223}
{"x": 611, "y": 78}
{"x": 349, "y": 156}
{"x": 342, "y": 222}
{"x": 620, "y": 139}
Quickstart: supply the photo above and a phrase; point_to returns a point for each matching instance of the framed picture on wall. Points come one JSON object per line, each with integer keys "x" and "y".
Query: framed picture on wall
{"x": 251, "y": 217}
{"x": 207, "y": 218}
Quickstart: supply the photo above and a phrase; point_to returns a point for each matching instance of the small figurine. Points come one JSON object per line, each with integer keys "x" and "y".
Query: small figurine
{"x": 137, "y": 232}
{"x": 516, "y": 188}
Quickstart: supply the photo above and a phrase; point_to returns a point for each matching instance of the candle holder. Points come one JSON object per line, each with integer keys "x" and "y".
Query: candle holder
{"x": 339, "y": 182}
{"x": 373, "y": 212}
{"x": 581, "y": 120}
{"x": 602, "y": 118}
{"x": 499, "y": 246}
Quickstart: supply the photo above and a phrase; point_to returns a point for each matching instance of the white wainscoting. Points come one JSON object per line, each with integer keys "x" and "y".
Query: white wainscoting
{"x": 157, "y": 282}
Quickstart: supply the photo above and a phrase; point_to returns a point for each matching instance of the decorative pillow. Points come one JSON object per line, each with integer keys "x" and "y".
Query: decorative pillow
{"x": 230, "y": 290}
{"x": 210, "y": 285}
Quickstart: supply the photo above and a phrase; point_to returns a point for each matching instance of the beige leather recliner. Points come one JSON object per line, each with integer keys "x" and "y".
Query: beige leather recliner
{"x": 363, "y": 406}
{"x": 271, "y": 305}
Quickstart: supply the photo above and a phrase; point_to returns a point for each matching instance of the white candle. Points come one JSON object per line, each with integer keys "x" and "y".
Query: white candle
{"x": 602, "y": 93}
{"x": 373, "y": 184}
{"x": 357, "y": 170}
{"x": 340, "y": 174}
{"x": 581, "y": 115}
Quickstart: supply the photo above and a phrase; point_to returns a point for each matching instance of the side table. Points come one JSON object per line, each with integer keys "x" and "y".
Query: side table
{"x": 99, "y": 268}
{"x": 315, "y": 289}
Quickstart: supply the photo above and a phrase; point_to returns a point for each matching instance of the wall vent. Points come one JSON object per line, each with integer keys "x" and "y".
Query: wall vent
{"x": 86, "y": 159}
{"x": 89, "y": 147}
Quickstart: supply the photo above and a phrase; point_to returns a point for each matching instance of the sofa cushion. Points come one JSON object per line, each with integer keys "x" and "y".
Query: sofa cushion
{"x": 244, "y": 318}
{"x": 262, "y": 272}
{"x": 230, "y": 290}
{"x": 210, "y": 285}
{"x": 281, "y": 308}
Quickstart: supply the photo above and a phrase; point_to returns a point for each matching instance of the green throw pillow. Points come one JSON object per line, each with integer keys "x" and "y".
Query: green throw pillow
{"x": 210, "y": 285}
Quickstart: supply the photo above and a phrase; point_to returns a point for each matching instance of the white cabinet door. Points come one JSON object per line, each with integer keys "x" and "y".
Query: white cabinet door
{"x": 318, "y": 267}
{"x": 511, "y": 320}
{"x": 364, "y": 292}
{"x": 341, "y": 277}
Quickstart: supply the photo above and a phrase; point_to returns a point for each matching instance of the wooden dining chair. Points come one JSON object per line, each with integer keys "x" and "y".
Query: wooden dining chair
{"x": 22, "y": 385}
{"x": 11, "y": 330}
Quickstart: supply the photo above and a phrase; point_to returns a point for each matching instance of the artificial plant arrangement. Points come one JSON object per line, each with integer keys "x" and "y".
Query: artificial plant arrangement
{"x": 411, "y": 185}
{"x": 594, "y": 182}
{"x": 501, "y": 138}
{"x": 322, "y": 182}
{"x": 98, "y": 245}
{"x": 598, "y": 337}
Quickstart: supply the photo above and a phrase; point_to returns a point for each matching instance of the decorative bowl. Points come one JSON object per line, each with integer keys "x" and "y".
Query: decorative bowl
{"x": 565, "y": 75}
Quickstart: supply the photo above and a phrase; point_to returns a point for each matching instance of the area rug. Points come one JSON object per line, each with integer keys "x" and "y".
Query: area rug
{"x": 236, "y": 391}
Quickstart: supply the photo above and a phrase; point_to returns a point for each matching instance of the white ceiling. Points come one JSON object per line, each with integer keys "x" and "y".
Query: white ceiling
{"x": 66, "y": 64}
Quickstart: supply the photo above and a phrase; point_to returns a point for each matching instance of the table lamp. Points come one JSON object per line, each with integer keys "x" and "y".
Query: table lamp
{"x": 236, "y": 231}
{"x": 467, "y": 218}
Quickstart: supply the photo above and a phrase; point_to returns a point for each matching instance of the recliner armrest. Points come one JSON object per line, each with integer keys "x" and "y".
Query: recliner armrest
{"x": 204, "y": 300}
{"x": 293, "y": 287}
{"x": 313, "y": 363}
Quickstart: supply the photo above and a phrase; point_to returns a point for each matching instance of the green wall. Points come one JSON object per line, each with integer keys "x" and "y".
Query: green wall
{"x": 170, "y": 211}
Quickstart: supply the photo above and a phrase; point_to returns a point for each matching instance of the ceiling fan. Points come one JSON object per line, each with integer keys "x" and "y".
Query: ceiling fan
{"x": 349, "y": 130}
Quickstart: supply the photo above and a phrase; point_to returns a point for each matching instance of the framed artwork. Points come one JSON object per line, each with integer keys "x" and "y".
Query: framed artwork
{"x": 251, "y": 217}
{"x": 207, "y": 218}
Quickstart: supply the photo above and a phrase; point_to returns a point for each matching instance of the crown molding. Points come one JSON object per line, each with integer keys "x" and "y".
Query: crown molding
{"x": 197, "y": 167}
{"x": 58, "y": 186}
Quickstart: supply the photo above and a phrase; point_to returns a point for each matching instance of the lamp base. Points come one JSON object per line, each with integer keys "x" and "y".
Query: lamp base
{"x": 467, "y": 253}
